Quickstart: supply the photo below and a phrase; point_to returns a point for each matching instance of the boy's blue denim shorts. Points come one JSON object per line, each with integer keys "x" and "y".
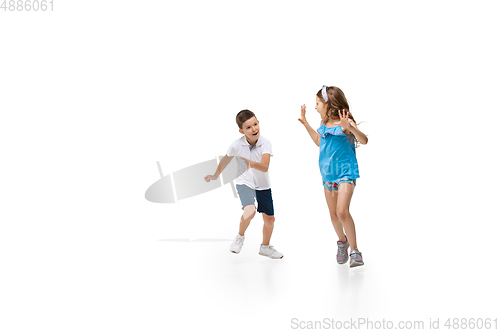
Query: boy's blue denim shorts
{"x": 335, "y": 185}
{"x": 264, "y": 199}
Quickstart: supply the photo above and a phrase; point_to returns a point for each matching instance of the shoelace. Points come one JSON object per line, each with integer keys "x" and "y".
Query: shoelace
{"x": 272, "y": 248}
{"x": 355, "y": 254}
{"x": 343, "y": 249}
{"x": 238, "y": 241}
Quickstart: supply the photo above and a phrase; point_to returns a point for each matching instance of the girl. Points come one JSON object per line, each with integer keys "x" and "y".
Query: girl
{"x": 337, "y": 139}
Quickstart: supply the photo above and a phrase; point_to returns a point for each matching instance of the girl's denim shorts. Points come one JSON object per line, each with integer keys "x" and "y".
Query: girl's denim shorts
{"x": 335, "y": 185}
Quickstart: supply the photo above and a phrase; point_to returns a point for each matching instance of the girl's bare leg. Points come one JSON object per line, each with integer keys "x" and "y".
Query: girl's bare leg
{"x": 331, "y": 201}
{"x": 345, "y": 192}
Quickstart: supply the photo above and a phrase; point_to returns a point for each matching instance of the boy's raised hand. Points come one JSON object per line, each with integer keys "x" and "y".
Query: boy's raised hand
{"x": 302, "y": 118}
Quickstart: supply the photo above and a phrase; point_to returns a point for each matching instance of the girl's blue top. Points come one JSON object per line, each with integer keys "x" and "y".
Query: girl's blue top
{"x": 337, "y": 155}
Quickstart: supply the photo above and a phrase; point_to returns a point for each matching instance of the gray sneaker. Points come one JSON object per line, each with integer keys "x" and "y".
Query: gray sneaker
{"x": 356, "y": 258}
{"x": 237, "y": 244}
{"x": 270, "y": 252}
{"x": 342, "y": 255}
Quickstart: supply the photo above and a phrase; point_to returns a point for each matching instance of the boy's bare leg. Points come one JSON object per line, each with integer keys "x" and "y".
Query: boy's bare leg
{"x": 268, "y": 228}
{"x": 248, "y": 214}
{"x": 331, "y": 201}
{"x": 344, "y": 200}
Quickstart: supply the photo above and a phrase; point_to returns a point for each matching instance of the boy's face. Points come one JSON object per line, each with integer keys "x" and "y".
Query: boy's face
{"x": 321, "y": 108}
{"x": 251, "y": 130}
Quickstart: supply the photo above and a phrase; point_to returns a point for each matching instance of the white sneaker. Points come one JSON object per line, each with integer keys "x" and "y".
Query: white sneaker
{"x": 270, "y": 252}
{"x": 237, "y": 244}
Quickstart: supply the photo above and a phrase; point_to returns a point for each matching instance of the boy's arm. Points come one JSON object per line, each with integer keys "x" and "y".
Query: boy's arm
{"x": 222, "y": 165}
{"x": 262, "y": 166}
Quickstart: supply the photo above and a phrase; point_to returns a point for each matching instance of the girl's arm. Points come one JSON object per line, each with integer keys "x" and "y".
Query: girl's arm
{"x": 357, "y": 133}
{"x": 349, "y": 125}
{"x": 314, "y": 135}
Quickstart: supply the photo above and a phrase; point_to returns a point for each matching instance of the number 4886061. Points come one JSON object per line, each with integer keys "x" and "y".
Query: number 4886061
{"x": 27, "y": 5}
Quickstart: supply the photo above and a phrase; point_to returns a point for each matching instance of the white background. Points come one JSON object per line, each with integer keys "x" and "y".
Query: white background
{"x": 95, "y": 92}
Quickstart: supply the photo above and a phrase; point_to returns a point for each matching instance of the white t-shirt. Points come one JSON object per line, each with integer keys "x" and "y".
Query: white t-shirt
{"x": 252, "y": 178}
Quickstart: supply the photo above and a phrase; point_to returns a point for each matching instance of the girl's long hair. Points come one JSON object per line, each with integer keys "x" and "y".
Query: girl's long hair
{"x": 337, "y": 102}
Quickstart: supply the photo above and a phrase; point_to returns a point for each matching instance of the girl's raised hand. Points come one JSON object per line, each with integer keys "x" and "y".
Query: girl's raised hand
{"x": 344, "y": 119}
{"x": 302, "y": 118}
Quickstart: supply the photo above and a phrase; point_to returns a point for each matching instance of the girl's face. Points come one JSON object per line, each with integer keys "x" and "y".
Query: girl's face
{"x": 321, "y": 108}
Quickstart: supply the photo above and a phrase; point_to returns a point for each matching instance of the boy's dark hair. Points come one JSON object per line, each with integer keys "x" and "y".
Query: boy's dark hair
{"x": 243, "y": 116}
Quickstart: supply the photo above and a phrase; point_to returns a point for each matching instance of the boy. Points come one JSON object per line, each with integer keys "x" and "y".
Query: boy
{"x": 252, "y": 184}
